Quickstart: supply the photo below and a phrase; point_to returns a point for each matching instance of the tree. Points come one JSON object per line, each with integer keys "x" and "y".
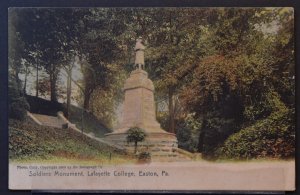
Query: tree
{"x": 232, "y": 85}
{"x": 26, "y": 72}
{"x": 47, "y": 35}
{"x": 135, "y": 134}
{"x": 17, "y": 104}
{"x": 16, "y": 45}
{"x": 100, "y": 50}
{"x": 69, "y": 69}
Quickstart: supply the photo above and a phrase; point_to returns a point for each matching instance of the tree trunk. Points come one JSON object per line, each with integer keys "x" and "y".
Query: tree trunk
{"x": 156, "y": 109}
{"x": 86, "y": 101}
{"x": 37, "y": 81}
{"x": 25, "y": 81}
{"x": 201, "y": 137}
{"x": 53, "y": 79}
{"x": 135, "y": 147}
{"x": 69, "y": 90}
{"x": 171, "y": 111}
{"x": 201, "y": 141}
{"x": 69, "y": 69}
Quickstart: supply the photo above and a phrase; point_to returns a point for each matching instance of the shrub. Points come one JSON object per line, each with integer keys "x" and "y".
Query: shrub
{"x": 135, "y": 134}
{"x": 163, "y": 119}
{"x": 215, "y": 131}
{"x": 18, "y": 109}
{"x": 144, "y": 157}
{"x": 187, "y": 132}
{"x": 271, "y": 137}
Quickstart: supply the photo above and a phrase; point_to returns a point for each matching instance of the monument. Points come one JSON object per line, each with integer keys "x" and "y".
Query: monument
{"x": 139, "y": 111}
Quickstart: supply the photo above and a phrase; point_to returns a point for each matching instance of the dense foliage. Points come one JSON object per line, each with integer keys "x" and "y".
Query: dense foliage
{"x": 273, "y": 137}
{"x": 188, "y": 133}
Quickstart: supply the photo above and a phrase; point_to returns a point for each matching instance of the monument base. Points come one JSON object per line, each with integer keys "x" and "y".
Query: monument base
{"x": 161, "y": 145}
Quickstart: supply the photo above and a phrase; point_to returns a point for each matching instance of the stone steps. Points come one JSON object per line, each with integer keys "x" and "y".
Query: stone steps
{"x": 61, "y": 122}
{"x": 161, "y": 149}
{"x": 181, "y": 157}
{"x": 50, "y": 121}
{"x": 175, "y": 156}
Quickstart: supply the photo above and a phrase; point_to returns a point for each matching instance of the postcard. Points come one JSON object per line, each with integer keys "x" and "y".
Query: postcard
{"x": 151, "y": 98}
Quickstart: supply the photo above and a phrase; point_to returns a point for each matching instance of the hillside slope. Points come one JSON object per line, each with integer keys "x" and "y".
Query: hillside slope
{"x": 29, "y": 141}
{"x": 83, "y": 120}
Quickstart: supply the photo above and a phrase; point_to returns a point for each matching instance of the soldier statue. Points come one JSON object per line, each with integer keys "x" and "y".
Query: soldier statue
{"x": 139, "y": 54}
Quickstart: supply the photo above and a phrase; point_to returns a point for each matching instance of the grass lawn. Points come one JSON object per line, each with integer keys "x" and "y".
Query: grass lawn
{"x": 33, "y": 143}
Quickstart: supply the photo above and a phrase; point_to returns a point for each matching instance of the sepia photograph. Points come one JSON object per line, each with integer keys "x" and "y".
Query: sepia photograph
{"x": 151, "y": 98}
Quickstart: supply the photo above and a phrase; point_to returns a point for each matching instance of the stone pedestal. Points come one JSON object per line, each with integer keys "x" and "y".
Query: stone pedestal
{"x": 139, "y": 111}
